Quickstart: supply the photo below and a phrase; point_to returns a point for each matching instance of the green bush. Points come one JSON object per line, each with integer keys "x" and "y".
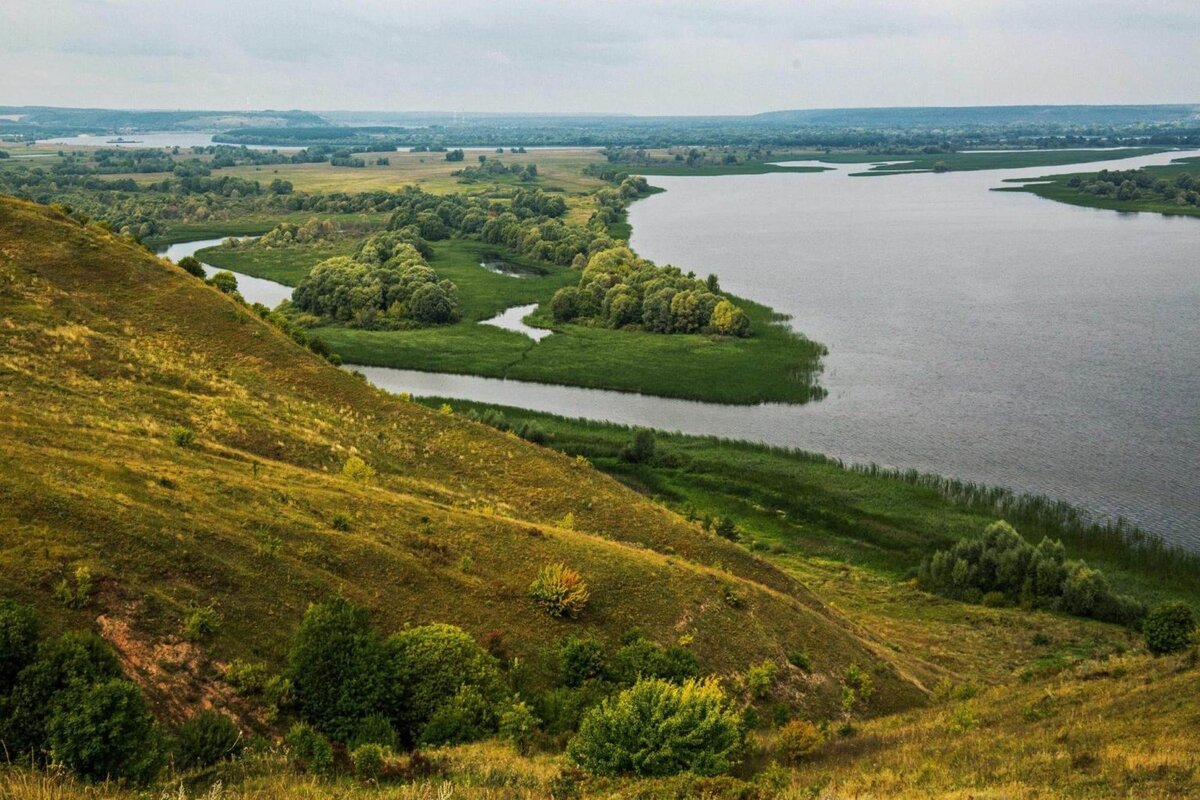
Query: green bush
{"x": 246, "y": 678}
{"x": 466, "y": 717}
{"x": 562, "y": 709}
{"x": 1169, "y": 627}
{"x": 206, "y": 739}
{"x": 368, "y": 760}
{"x": 337, "y": 668}
{"x": 191, "y": 265}
{"x": 200, "y": 622}
{"x": 580, "y": 660}
{"x": 800, "y": 660}
{"x": 183, "y": 437}
{"x": 18, "y": 642}
{"x": 375, "y": 729}
{"x": 560, "y": 590}
{"x": 72, "y": 661}
{"x": 105, "y": 731}
{"x": 760, "y": 678}
{"x": 224, "y": 281}
{"x": 309, "y": 749}
{"x": 797, "y": 739}
{"x": 518, "y": 724}
{"x": 642, "y": 658}
{"x": 429, "y": 665}
{"x": 656, "y": 728}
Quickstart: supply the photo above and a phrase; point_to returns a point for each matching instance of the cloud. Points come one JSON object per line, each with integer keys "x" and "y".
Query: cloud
{"x": 653, "y": 56}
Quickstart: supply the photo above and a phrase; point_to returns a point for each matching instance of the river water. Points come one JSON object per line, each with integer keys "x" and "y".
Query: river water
{"x": 989, "y": 336}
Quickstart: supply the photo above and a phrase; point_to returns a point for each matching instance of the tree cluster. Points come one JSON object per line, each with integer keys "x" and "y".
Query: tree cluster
{"x": 1139, "y": 184}
{"x": 617, "y": 289}
{"x": 1003, "y": 567}
{"x": 387, "y": 284}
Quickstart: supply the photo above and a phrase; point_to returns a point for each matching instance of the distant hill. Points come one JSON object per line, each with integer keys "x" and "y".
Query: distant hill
{"x": 955, "y": 116}
{"x": 50, "y": 121}
{"x": 109, "y": 355}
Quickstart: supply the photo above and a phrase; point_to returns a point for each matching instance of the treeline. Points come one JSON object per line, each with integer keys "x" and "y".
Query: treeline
{"x": 1139, "y": 184}
{"x": 617, "y": 289}
{"x": 495, "y": 168}
{"x": 386, "y": 284}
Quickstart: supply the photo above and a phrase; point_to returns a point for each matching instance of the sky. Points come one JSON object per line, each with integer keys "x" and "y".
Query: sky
{"x": 616, "y": 56}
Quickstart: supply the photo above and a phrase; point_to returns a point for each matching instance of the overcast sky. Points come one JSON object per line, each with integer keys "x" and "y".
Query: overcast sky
{"x": 636, "y": 56}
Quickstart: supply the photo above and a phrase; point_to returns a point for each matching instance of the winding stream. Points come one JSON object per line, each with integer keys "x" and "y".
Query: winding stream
{"x": 994, "y": 337}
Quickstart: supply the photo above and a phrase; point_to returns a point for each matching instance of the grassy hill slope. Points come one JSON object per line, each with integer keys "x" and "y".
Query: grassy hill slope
{"x": 107, "y": 354}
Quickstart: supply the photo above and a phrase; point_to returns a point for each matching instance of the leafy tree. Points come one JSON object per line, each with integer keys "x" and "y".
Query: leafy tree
{"x": 336, "y": 666}
{"x": 225, "y": 281}
{"x": 729, "y": 320}
{"x": 428, "y": 666}
{"x": 642, "y": 658}
{"x": 641, "y": 449}
{"x": 1169, "y": 627}
{"x": 656, "y": 728}
{"x": 105, "y": 731}
{"x": 466, "y": 717}
{"x": 564, "y": 306}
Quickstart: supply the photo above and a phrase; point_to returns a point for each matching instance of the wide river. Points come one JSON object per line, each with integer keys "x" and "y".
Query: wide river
{"x": 989, "y": 336}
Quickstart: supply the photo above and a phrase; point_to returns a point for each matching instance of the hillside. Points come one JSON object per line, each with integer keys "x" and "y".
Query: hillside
{"x": 109, "y": 355}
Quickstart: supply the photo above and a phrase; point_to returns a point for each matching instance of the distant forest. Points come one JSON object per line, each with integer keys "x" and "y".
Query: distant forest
{"x": 946, "y": 127}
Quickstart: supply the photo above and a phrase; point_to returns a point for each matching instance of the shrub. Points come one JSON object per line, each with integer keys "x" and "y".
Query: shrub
{"x": 760, "y": 677}
{"x": 358, "y": 470}
{"x": 310, "y": 750}
{"x": 336, "y": 667}
{"x": 800, "y": 660}
{"x": 560, "y": 590}
{"x": 183, "y": 437}
{"x": 1168, "y": 628}
{"x": 368, "y": 760}
{"x": 466, "y": 717}
{"x": 72, "y": 660}
{"x": 798, "y": 739}
{"x": 340, "y": 522}
{"x": 518, "y": 724}
{"x": 375, "y": 729}
{"x": 191, "y": 265}
{"x": 200, "y": 622}
{"x": 656, "y": 728}
{"x": 76, "y": 591}
{"x": 224, "y": 281}
{"x": 428, "y": 667}
{"x": 246, "y": 678}
{"x": 18, "y": 642}
{"x": 641, "y": 449}
{"x": 562, "y": 709}
{"x": 206, "y": 739}
{"x": 105, "y": 731}
{"x": 580, "y": 660}
{"x": 642, "y": 658}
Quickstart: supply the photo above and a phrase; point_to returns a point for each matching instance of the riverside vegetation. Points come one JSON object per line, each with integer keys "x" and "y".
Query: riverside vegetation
{"x": 278, "y": 581}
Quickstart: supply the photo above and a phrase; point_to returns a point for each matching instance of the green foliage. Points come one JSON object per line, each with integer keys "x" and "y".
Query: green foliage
{"x": 580, "y": 660}
{"x": 797, "y": 740}
{"x": 340, "y": 522}
{"x": 191, "y": 265}
{"x": 225, "y": 281}
{"x": 641, "y": 449}
{"x": 200, "y": 622}
{"x": 800, "y": 660}
{"x": 518, "y": 723}
{"x": 183, "y": 437}
{"x": 71, "y": 662}
{"x": 368, "y": 760}
{"x": 206, "y": 739}
{"x": 560, "y": 590}
{"x": 1003, "y": 562}
{"x": 760, "y": 678}
{"x": 642, "y": 658}
{"x": 19, "y": 630}
{"x": 375, "y": 729}
{"x": 1169, "y": 627}
{"x": 466, "y": 717}
{"x": 247, "y": 679}
{"x": 336, "y": 667}
{"x": 429, "y": 668}
{"x": 618, "y": 289}
{"x": 105, "y": 731}
{"x": 387, "y": 284}
{"x": 656, "y": 728}
{"x": 358, "y": 470}
{"x": 309, "y": 749}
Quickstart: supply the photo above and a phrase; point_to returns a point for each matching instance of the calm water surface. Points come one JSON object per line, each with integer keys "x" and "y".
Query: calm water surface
{"x": 989, "y": 336}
